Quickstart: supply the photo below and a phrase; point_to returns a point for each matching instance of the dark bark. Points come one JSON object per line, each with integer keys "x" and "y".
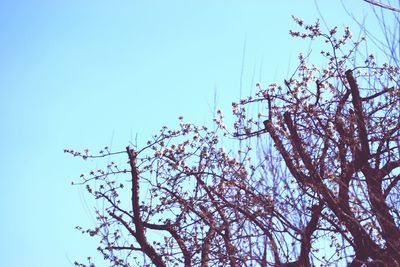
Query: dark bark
{"x": 139, "y": 229}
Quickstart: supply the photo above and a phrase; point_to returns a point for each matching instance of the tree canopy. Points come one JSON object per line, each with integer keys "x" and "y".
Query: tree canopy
{"x": 315, "y": 181}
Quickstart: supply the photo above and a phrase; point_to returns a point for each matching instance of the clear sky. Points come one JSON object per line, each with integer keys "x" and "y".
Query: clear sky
{"x": 85, "y": 73}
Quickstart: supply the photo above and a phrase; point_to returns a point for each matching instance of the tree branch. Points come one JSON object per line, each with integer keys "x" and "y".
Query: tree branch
{"x": 140, "y": 232}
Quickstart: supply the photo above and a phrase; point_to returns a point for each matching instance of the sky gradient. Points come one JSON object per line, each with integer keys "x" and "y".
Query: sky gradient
{"x": 88, "y": 74}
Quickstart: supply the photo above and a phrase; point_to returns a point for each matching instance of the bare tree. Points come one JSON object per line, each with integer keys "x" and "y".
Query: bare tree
{"x": 321, "y": 187}
{"x": 382, "y": 28}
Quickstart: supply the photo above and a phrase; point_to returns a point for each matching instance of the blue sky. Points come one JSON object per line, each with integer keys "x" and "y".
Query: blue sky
{"x": 77, "y": 74}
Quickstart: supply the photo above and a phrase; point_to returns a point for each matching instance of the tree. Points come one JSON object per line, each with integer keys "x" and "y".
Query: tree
{"x": 316, "y": 184}
{"x": 340, "y": 142}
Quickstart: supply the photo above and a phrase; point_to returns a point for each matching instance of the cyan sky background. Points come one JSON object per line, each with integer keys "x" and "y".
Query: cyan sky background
{"x": 77, "y": 74}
